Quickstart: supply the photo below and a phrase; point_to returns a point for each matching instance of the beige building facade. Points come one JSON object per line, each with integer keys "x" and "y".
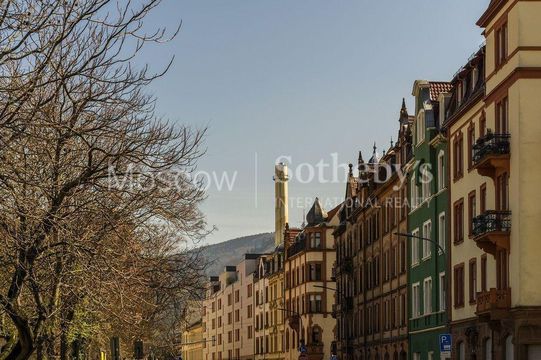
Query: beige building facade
{"x": 309, "y": 286}
{"x": 494, "y": 136}
{"x": 192, "y": 341}
{"x": 228, "y": 312}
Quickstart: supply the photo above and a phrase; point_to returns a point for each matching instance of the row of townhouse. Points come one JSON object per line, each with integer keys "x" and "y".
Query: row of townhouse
{"x": 447, "y": 243}
{"x": 436, "y": 236}
{"x": 276, "y": 305}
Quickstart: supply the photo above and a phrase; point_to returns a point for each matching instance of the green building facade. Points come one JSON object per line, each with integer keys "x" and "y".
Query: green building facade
{"x": 428, "y": 218}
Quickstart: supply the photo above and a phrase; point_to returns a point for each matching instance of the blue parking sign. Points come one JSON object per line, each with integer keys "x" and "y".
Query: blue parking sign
{"x": 445, "y": 342}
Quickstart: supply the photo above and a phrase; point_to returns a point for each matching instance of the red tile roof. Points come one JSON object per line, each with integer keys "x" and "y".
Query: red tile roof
{"x": 438, "y": 87}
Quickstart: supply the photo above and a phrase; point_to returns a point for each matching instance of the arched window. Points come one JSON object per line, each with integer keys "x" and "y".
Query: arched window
{"x": 287, "y": 339}
{"x": 316, "y": 335}
{"x": 509, "y": 348}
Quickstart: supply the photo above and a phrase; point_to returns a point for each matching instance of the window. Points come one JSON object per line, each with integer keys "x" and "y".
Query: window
{"x": 237, "y": 315}
{"x": 501, "y": 36}
{"x": 442, "y": 231}
{"x": 472, "y": 211}
{"x": 473, "y": 280}
{"x": 316, "y": 335}
{"x": 483, "y": 198}
{"x": 315, "y": 240}
{"x": 441, "y": 171}
{"x": 414, "y": 191}
{"x": 461, "y": 353}
{"x": 315, "y": 303}
{"x": 459, "y": 221}
{"x": 482, "y": 125}
{"x": 415, "y": 247}
{"x": 403, "y": 257}
{"x": 484, "y": 272}
{"x": 237, "y": 296}
{"x": 415, "y": 304}
{"x": 427, "y": 296}
{"x": 474, "y": 78}
{"x": 502, "y": 116}
{"x": 219, "y": 321}
{"x": 425, "y": 182}
{"x": 427, "y": 234}
{"x": 471, "y": 143}
{"x": 502, "y": 192}
{"x": 487, "y": 348}
{"x": 237, "y": 335}
{"x": 249, "y": 290}
{"x": 315, "y": 272}
{"x": 442, "y": 292}
{"x": 420, "y": 127}
{"x": 229, "y": 318}
{"x": 458, "y": 154}
{"x": 417, "y": 356}
{"x": 509, "y": 348}
{"x": 459, "y": 285}
{"x": 229, "y": 300}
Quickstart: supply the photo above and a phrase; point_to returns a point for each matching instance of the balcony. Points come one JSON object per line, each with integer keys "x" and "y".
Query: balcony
{"x": 491, "y": 230}
{"x": 315, "y": 349}
{"x": 494, "y": 304}
{"x": 491, "y": 153}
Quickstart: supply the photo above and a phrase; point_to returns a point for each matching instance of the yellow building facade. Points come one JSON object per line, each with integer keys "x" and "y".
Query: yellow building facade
{"x": 192, "y": 342}
{"x": 492, "y": 120}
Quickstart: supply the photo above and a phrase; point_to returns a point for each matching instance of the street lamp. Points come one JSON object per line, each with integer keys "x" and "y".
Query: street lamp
{"x": 440, "y": 248}
{"x": 408, "y": 235}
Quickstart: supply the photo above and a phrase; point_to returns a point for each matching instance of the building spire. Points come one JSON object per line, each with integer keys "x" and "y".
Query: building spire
{"x": 403, "y": 111}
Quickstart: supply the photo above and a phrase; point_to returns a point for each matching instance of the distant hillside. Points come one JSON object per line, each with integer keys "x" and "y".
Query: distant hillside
{"x": 230, "y": 252}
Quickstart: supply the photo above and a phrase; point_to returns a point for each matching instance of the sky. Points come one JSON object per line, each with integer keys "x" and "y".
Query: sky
{"x": 308, "y": 82}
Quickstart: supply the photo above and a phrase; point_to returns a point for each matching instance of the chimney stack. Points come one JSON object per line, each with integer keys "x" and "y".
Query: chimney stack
{"x": 280, "y": 202}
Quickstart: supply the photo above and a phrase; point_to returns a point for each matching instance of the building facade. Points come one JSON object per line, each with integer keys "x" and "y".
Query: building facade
{"x": 371, "y": 269}
{"x": 309, "y": 287}
{"x": 192, "y": 341}
{"x": 428, "y": 219}
{"x": 493, "y": 127}
{"x": 269, "y": 320}
{"x": 228, "y": 312}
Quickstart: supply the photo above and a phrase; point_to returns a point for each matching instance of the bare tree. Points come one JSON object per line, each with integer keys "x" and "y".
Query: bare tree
{"x": 95, "y": 192}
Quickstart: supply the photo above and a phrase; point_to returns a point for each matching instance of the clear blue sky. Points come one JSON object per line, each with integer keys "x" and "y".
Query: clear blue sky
{"x": 303, "y": 78}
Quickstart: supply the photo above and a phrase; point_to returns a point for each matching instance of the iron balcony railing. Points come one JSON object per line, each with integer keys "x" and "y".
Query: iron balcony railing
{"x": 490, "y": 144}
{"x": 492, "y": 221}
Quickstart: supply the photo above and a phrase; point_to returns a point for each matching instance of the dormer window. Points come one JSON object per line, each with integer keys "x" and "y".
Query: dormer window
{"x": 459, "y": 92}
{"x": 474, "y": 78}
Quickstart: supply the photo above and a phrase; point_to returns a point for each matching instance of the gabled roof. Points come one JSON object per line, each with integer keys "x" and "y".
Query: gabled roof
{"x": 438, "y": 87}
